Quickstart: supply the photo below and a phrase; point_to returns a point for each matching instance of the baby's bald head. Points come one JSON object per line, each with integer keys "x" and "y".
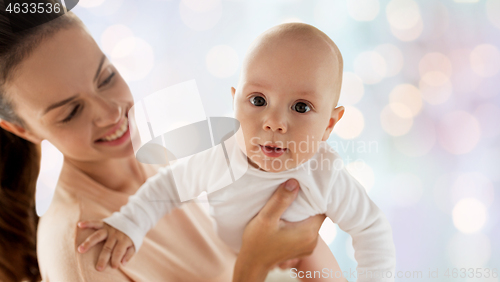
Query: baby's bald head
{"x": 287, "y": 94}
{"x": 296, "y": 42}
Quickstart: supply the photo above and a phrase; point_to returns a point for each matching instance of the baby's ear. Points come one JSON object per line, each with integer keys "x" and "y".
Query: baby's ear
{"x": 337, "y": 114}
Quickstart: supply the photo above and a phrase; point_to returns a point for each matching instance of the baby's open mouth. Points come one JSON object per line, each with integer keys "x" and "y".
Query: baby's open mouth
{"x": 274, "y": 148}
{"x": 272, "y": 151}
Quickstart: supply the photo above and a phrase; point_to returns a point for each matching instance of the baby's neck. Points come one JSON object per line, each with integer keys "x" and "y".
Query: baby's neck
{"x": 254, "y": 164}
{"x": 259, "y": 168}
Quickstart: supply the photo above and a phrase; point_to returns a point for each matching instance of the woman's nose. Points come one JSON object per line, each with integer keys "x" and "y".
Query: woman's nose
{"x": 275, "y": 122}
{"x": 107, "y": 112}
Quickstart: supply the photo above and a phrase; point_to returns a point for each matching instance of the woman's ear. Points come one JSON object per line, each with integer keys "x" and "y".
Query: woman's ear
{"x": 337, "y": 114}
{"x": 19, "y": 131}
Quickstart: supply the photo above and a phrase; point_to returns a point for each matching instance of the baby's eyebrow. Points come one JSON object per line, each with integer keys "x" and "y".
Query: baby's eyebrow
{"x": 307, "y": 93}
{"x": 258, "y": 85}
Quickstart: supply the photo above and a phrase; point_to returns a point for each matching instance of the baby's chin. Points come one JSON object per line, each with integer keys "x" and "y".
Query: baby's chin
{"x": 275, "y": 165}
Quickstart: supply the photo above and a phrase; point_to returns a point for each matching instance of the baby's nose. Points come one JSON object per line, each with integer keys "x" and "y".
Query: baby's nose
{"x": 275, "y": 126}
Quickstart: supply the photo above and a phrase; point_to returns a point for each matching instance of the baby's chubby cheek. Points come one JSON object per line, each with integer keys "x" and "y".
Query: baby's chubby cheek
{"x": 302, "y": 157}
{"x": 245, "y": 141}
{"x": 304, "y": 150}
{"x": 247, "y": 133}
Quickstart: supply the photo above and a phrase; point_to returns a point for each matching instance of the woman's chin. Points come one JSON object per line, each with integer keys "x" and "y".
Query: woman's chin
{"x": 126, "y": 151}
{"x": 116, "y": 152}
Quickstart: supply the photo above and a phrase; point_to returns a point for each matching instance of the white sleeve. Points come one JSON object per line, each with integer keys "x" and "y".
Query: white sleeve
{"x": 350, "y": 207}
{"x": 155, "y": 198}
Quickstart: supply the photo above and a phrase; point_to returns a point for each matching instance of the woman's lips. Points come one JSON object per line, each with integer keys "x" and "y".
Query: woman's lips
{"x": 117, "y": 141}
{"x": 272, "y": 152}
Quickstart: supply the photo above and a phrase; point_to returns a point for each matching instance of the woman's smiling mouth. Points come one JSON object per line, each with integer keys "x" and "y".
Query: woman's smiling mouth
{"x": 116, "y": 137}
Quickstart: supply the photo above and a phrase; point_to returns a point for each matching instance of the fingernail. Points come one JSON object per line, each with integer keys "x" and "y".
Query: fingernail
{"x": 99, "y": 268}
{"x": 124, "y": 262}
{"x": 291, "y": 185}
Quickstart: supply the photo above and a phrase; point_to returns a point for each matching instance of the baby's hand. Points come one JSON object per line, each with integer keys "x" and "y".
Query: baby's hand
{"x": 118, "y": 246}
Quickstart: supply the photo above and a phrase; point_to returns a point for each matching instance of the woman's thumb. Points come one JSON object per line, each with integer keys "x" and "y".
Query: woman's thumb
{"x": 291, "y": 184}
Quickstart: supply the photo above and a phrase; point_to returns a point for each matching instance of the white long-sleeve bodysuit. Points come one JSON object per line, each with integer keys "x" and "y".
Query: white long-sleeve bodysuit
{"x": 326, "y": 188}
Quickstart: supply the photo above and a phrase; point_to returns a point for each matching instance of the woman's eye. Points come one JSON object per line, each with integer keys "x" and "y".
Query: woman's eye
{"x": 301, "y": 107}
{"x": 258, "y": 101}
{"x": 72, "y": 114}
{"x": 107, "y": 80}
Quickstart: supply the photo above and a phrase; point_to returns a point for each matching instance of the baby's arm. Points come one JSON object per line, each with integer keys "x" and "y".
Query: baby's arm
{"x": 350, "y": 207}
{"x": 321, "y": 265}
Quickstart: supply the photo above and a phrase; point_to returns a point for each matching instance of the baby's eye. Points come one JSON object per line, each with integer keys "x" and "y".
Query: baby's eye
{"x": 258, "y": 101}
{"x": 301, "y": 107}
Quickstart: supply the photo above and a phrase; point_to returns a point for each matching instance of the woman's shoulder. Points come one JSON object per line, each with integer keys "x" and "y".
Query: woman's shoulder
{"x": 55, "y": 244}
{"x": 63, "y": 210}
{"x": 66, "y": 209}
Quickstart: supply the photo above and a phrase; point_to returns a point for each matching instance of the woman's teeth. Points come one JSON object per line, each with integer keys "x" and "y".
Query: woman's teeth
{"x": 118, "y": 133}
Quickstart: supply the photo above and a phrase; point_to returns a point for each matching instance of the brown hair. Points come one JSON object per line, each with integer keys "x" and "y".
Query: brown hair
{"x": 19, "y": 158}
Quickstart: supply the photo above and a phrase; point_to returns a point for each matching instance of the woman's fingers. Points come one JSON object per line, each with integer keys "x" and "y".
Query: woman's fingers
{"x": 96, "y": 224}
{"x": 307, "y": 230}
{"x": 105, "y": 254}
{"x": 315, "y": 221}
{"x": 93, "y": 240}
{"x": 311, "y": 224}
{"x": 128, "y": 255}
{"x": 289, "y": 263}
{"x": 280, "y": 200}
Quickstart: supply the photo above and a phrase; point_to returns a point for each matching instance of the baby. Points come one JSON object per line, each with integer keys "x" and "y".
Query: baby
{"x": 286, "y": 103}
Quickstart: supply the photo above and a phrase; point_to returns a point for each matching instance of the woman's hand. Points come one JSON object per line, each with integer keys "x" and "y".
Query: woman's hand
{"x": 291, "y": 263}
{"x": 269, "y": 240}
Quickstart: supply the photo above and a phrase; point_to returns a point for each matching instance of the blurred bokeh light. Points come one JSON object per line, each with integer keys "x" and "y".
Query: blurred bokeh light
{"x": 421, "y": 91}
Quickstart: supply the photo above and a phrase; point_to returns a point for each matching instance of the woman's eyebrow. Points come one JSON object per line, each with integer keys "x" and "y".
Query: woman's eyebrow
{"x": 59, "y": 104}
{"x": 100, "y": 67}
{"x": 64, "y": 102}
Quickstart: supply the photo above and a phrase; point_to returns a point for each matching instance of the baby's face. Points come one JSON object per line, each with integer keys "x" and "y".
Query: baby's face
{"x": 285, "y": 104}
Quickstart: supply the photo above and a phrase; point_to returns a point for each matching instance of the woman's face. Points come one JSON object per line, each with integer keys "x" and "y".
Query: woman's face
{"x": 67, "y": 92}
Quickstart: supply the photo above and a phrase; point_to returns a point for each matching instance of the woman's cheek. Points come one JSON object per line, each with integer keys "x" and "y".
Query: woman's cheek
{"x": 75, "y": 140}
